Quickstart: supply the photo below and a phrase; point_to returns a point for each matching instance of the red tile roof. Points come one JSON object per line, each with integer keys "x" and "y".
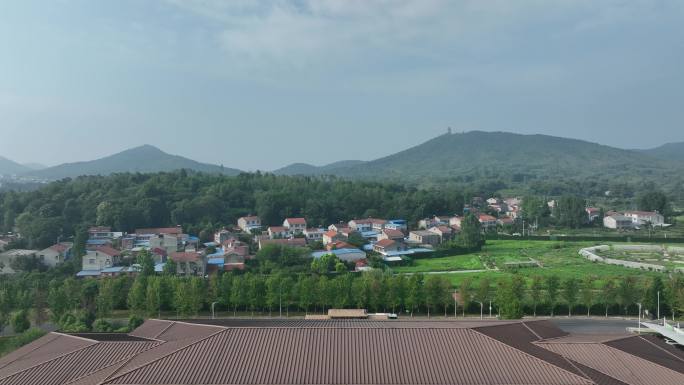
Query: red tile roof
{"x": 296, "y": 221}
{"x": 486, "y": 218}
{"x": 60, "y": 247}
{"x": 161, "y": 230}
{"x": 185, "y": 256}
{"x": 384, "y": 243}
{"x": 393, "y": 234}
{"x": 277, "y": 229}
{"x": 112, "y": 252}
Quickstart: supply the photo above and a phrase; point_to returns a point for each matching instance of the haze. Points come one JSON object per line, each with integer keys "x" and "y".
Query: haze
{"x": 260, "y": 84}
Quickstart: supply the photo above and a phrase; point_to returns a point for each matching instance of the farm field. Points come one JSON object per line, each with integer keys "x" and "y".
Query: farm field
{"x": 554, "y": 257}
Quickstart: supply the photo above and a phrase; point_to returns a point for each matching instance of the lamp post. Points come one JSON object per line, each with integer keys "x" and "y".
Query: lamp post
{"x": 213, "y": 315}
{"x": 490, "y": 308}
{"x": 658, "y": 304}
{"x": 455, "y": 304}
{"x": 481, "y": 309}
{"x": 639, "y": 326}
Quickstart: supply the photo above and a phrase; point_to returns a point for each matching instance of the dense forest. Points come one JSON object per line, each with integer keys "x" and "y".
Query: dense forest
{"x": 204, "y": 202}
{"x": 201, "y": 203}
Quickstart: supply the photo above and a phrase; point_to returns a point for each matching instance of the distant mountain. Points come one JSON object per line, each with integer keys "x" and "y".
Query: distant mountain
{"x": 35, "y": 166}
{"x": 10, "y": 167}
{"x": 309, "y": 169}
{"x": 506, "y": 154}
{"x": 669, "y": 151}
{"x": 139, "y": 159}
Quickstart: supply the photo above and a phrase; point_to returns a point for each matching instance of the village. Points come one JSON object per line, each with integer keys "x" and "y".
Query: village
{"x": 113, "y": 253}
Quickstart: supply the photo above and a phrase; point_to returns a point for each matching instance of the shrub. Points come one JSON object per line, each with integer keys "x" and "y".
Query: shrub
{"x": 134, "y": 321}
{"x": 20, "y": 322}
{"x": 102, "y": 326}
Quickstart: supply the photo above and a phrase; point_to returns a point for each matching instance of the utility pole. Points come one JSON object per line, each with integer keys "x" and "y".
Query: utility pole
{"x": 490, "y": 308}
{"x": 639, "y": 326}
{"x": 658, "y": 304}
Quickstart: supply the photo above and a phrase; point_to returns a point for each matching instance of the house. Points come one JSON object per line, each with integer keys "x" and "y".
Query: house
{"x": 368, "y": 224}
{"x": 487, "y": 221}
{"x": 424, "y": 237}
{"x": 7, "y": 257}
{"x": 56, "y": 253}
{"x": 222, "y": 236}
{"x": 640, "y": 218}
{"x": 249, "y": 223}
{"x": 505, "y": 221}
{"x": 314, "y": 234}
{"x": 445, "y": 233}
{"x": 188, "y": 263}
{"x": 493, "y": 201}
{"x": 617, "y": 222}
{"x": 387, "y": 245}
{"x": 338, "y": 226}
{"x": 292, "y": 242}
{"x": 397, "y": 224}
{"x": 347, "y": 254}
{"x": 167, "y": 242}
{"x": 426, "y": 223}
{"x": 331, "y": 236}
{"x": 295, "y": 225}
{"x": 593, "y": 213}
{"x": 100, "y": 258}
{"x": 278, "y": 232}
{"x": 455, "y": 221}
{"x": 338, "y": 245}
{"x": 347, "y": 232}
{"x": 178, "y": 230}
{"x": 103, "y": 232}
{"x": 392, "y": 234}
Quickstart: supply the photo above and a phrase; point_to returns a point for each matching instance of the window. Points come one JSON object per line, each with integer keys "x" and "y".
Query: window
{"x": 91, "y": 261}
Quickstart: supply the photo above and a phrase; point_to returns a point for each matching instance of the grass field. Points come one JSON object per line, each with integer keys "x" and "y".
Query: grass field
{"x": 555, "y": 257}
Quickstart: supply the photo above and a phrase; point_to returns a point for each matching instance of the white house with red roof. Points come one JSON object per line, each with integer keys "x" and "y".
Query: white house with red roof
{"x": 487, "y": 221}
{"x": 295, "y": 225}
{"x": 56, "y": 253}
{"x": 640, "y": 218}
{"x": 249, "y": 223}
{"x": 278, "y": 232}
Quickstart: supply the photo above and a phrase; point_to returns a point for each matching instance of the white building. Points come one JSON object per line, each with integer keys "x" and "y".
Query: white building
{"x": 249, "y": 223}
{"x": 640, "y": 218}
{"x": 617, "y": 222}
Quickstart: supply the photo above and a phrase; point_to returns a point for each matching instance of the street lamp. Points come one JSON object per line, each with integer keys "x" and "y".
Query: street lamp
{"x": 639, "y": 326}
{"x": 658, "y": 304}
{"x": 490, "y": 308}
{"x": 213, "y": 316}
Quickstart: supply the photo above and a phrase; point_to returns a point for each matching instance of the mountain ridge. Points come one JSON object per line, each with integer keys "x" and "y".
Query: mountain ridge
{"x": 144, "y": 159}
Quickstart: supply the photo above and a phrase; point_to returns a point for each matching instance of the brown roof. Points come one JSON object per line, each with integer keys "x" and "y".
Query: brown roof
{"x": 297, "y": 242}
{"x": 296, "y": 221}
{"x": 185, "y": 256}
{"x": 112, "y": 252}
{"x": 384, "y": 243}
{"x": 277, "y": 229}
{"x": 60, "y": 247}
{"x": 347, "y": 313}
{"x": 392, "y": 233}
{"x": 295, "y": 351}
{"x": 161, "y": 230}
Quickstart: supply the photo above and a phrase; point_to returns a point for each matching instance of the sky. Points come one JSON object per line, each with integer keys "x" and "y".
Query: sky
{"x": 258, "y": 84}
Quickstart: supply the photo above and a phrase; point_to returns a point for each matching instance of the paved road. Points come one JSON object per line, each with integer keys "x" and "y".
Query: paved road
{"x": 594, "y": 325}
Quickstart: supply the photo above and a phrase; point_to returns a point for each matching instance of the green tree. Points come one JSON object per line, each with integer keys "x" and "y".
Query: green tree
{"x": 415, "y": 292}
{"x": 655, "y": 290}
{"x": 587, "y": 293}
{"x": 137, "y": 296}
{"x": 627, "y": 292}
{"x": 536, "y": 292}
{"x": 466, "y": 293}
{"x": 105, "y": 297}
{"x": 471, "y": 232}
{"x": 510, "y": 306}
{"x": 20, "y": 322}
{"x": 146, "y": 263}
{"x": 552, "y": 287}
{"x": 570, "y": 293}
{"x": 608, "y": 294}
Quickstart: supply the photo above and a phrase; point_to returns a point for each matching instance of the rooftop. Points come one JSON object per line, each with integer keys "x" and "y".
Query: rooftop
{"x": 295, "y": 351}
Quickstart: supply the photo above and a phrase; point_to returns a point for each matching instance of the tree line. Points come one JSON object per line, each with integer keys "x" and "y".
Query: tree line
{"x": 82, "y": 305}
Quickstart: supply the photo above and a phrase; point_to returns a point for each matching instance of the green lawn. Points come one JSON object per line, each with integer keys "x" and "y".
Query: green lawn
{"x": 456, "y": 262}
{"x": 557, "y": 257}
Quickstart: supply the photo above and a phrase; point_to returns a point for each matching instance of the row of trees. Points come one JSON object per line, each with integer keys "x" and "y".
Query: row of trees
{"x": 76, "y": 304}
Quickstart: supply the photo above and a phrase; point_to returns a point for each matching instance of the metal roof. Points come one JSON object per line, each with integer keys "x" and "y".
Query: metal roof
{"x": 295, "y": 351}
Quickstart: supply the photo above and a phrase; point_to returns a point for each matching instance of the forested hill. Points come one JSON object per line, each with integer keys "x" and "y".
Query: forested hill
{"x": 9, "y": 167}
{"x": 309, "y": 169}
{"x": 143, "y": 159}
{"x": 202, "y": 203}
{"x": 669, "y": 151}
{"x": 506, "y": 154}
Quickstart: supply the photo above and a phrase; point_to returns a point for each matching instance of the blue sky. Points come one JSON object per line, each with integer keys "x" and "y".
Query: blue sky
{"x": 260, "y": 84}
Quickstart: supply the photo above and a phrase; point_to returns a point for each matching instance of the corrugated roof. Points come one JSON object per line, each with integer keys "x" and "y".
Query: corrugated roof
{"x": 617, "y": 363}
{"x": 348, "y": 356}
